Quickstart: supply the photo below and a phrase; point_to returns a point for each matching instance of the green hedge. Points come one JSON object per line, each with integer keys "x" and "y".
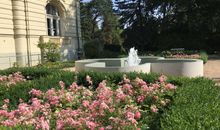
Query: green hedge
{"x": 196, "y": 106}
{"x": 58, "y": 64}
{"x": 29, "y": 72}
{"x": 113, "y": 77}
{"x": 41, "y": 78}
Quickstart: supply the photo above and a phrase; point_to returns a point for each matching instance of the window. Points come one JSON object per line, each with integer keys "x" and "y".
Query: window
{"x": 53, "y": 20}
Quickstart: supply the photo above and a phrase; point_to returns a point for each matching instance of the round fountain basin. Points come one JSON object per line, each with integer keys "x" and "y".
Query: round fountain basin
{"x": 115, "y": 65}
{"x": 103, "y": 67}
{"x": 176, "y": 67}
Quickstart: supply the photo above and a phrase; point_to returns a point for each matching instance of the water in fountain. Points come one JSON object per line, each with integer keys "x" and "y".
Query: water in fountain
{"x": 133, "y": 59}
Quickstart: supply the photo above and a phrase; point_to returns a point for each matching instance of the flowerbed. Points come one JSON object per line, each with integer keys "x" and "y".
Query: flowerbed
{"x": 186, "y": 55}
{"x": 126, "y": 105}
{"x": 11, "y": 79}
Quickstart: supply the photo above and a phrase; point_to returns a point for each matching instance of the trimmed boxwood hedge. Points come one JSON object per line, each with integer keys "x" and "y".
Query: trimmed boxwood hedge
{"x": 29, "y": 72}
{"x": 196, "y": 104}
{"x": 113, "y": 77}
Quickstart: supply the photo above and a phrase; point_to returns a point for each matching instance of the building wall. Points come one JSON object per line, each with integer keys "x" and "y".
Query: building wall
{"x": 7, "y": 46}
{"x": 22, "y": 22}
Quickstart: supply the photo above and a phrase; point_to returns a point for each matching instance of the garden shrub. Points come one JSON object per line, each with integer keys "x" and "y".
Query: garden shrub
{"x": 132, "y": 105}
{"x": 29, "y": 72}
{"x": 50, "y": 51}
{"x": 188, "y": 54}
{"x": 93, "y": 48}
{"x": 20, "y": 90}
{"x": 113, "y": 47}
{"x": 196, "y": 105}
{"x": 204, "y": 56}
{"x": 108, "y": 54}
{"x": 113, "y": 77}
{"x": 57, "y": 65}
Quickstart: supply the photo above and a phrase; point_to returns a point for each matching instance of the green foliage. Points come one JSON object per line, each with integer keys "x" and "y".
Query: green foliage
{"x": 113, "y": 77}
{"x": 50, "y": 50}
{"x": 58, "y": 64}
{"x": 93, "y": 48}
{"x": 96, "y": 49}
{"x": 21, "y": 90}
{"x": 204, "y": 56}
{"x": 195, "y": 106}
{"x": 192, "y": 54}
{"x": 108, "y": 54}
{"x": 17, "y": 128}
{"x": 29, "y": 72}
{"x": 161, "y": 25}
{"x": 100, "y": 12}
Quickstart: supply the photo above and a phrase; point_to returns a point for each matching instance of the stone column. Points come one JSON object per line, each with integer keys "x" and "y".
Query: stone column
{"x": 19, "y": 22}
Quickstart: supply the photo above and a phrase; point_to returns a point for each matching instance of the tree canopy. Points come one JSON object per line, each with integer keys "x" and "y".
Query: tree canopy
{"x": 153, "y": 24}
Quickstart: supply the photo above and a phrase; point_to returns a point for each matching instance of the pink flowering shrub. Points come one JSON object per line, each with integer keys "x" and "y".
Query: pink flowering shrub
{"x": 12, "y": 79}
{"x": 128, "y": 106}
{"x": 187, "y": 56}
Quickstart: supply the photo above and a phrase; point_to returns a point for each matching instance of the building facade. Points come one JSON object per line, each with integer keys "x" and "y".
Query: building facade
{"x": 23, "y": 22}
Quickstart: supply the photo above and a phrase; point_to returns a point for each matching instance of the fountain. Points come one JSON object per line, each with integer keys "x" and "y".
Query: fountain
{"x": 145, "y": 64}
{"x": 133, "y": 59}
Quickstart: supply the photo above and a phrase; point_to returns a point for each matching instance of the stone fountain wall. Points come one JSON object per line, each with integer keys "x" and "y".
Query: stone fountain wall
{"x": 176, "y": 67}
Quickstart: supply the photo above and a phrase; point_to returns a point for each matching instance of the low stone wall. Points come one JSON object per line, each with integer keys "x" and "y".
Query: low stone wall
{"x": 178, "y": 67}
{"x": 101, "y": 67}
{"x": 80, "y": 64}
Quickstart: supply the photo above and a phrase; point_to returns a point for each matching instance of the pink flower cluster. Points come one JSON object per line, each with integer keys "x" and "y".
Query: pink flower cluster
{"x": 12, "y": 79}
{"x": 80, "y": 108}
{"x": 192, "y": 56}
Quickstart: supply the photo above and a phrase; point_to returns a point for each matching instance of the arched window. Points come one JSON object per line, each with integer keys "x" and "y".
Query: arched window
{"x": 53, "y": 20}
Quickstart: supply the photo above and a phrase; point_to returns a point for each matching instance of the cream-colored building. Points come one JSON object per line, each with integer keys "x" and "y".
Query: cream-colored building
{"x": 22, "y": 22}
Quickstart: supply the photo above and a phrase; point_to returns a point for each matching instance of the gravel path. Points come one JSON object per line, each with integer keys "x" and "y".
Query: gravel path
{"x": 212, "y": 68}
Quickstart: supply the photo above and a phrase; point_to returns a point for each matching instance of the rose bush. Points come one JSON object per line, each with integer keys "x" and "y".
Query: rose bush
{"x": 127, "y": 105}
{"x": 11, "y": 79}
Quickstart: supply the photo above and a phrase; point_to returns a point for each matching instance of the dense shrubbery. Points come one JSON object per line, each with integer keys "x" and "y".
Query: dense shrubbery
{"x": 114, "y": 77}
{"x": 93, "y": 48}
{"x": 39, "y": 78}
{"x": 185, "y": 54}
{"x": 194, "y": 105}
{"x": 12, "y": 79}
{"x": 57, "y": 65}
{"x": 127, "y": 105}
{"x": 96, "y": 49}
{"x": 49, "y": 51}
{"x": 29, "y": 73}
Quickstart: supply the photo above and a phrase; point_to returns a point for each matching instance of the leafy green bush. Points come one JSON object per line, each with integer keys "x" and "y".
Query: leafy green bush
{"x": 29, "y": 72}
{"x": 21, "y": 90}
{"x": 93, "y": 48}
{"x": 195, "y": 106}
{"x": 108, "y": 54}
{"x": 50, "y": 51}
{"x": 114, "y": 77}
{"x": 204, "y": 56}
{"x": 57, "y": 65}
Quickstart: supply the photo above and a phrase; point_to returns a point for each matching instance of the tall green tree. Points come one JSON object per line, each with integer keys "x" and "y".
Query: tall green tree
{"x": 89, "y": 16}
{"x": 150, "y": 24}
{"x": 99, "y": 21}
{"x": 138, "y": 21}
